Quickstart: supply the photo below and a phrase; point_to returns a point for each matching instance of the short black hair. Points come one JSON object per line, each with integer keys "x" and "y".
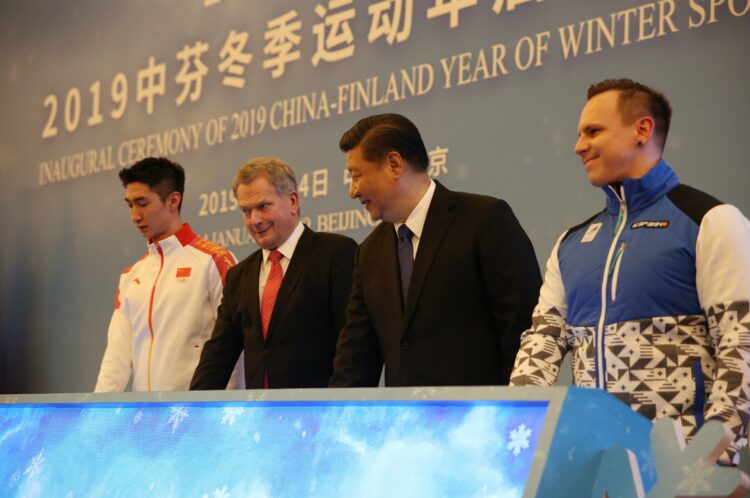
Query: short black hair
{"x": 159, "y": 173}
{"x": 383, "y": 133}
{"x": 637, "y": 100}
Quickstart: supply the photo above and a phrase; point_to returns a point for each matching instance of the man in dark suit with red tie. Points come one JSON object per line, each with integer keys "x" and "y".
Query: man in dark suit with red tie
{"x": 283, "y": 304}
{"x": 444, "y": 287}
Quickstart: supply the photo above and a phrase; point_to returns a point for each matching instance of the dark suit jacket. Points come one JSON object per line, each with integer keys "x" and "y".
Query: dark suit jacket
{"x": 306, "y": 320}
{"x": 473, "y": 289}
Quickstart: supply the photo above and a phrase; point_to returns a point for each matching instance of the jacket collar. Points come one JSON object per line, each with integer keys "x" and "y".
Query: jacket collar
{"x": 642, "y": 192}
{"x": 181, "y": 238}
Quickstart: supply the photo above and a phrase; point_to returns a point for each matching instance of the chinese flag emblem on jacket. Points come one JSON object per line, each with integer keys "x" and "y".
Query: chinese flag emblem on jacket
{"x": 183, "y": 274}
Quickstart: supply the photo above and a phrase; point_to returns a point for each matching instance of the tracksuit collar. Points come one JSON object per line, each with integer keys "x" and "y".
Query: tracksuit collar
{"x": 644, "y": 191}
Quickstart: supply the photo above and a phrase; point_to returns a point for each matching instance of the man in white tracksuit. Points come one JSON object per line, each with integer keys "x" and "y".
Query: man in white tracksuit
{"x": 166, "y": 302}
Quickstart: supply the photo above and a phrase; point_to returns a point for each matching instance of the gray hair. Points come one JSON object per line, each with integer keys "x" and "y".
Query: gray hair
{"x": 275, "y": 170}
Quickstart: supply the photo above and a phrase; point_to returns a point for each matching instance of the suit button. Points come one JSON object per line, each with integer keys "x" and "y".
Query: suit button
{"x": 405, "y": 346}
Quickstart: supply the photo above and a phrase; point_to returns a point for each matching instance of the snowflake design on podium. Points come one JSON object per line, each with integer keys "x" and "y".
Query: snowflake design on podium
{"x": 519, "y": 439}
{"x": 696, "y": 477}
{"x": 176, "y": 415}
{"x": 35, "y": 465}
{"x": 230, "y": 414}
{"x": 682, "y": 469}
{"x": 218, "y": 493}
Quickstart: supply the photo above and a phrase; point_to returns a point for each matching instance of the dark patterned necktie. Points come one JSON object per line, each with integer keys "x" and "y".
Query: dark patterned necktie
{"x": 405, "y": 258}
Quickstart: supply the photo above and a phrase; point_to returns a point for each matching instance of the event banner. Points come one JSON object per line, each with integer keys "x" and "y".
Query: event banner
{"x": 495, "y": 86}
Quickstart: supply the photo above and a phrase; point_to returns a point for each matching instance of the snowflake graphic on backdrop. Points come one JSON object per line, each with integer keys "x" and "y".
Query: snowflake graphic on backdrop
{"x": 218, "y": 493}
{"x": 519, "y": 439}
{"x": 230, "y": 414}
{"x": 35, "y": 465}
{"x": 176, "y": 415}
{"x": 137, "y": 417}
{"x": 696, "y": 477}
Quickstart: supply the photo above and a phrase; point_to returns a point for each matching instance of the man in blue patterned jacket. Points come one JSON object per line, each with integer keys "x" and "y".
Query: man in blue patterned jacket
{"x": 651, "y": 295}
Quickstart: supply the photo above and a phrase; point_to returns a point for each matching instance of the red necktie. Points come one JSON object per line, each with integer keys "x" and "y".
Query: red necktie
{"x": 271, "y": 290}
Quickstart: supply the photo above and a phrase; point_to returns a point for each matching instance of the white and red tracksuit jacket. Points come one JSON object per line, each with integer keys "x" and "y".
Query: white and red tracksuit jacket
{"x": 164, "y": 312}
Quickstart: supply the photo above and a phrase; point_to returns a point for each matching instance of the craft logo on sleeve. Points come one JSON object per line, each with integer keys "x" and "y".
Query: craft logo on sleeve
{"x": 183, "y": 274}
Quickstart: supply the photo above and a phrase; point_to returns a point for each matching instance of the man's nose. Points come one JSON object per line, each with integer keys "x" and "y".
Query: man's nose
{"x": 581, "y": 146}
{"x": 255, "y": 217}
{"x": 353, "y": 191}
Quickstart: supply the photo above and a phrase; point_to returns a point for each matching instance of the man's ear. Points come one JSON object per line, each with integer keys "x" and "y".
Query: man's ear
{"x": 294, "y": 199}
{"x": 395, "y": 164}
{"x": 644, "y": 129}
{"x": 173, "y": 201}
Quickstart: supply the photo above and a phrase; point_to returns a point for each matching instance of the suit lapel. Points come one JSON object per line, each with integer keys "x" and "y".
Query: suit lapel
{"x": 291, "y": 277}
{"x": 439, "y": 218}
{"x": 390, "y": 271}
{"x": 253, "y": 276}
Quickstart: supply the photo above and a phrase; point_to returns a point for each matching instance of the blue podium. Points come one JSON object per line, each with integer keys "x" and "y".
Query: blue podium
{"x": 410, "y": 442}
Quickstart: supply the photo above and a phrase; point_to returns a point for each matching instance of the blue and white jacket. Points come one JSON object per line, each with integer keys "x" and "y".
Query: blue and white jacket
{"x": 652, "y": 298}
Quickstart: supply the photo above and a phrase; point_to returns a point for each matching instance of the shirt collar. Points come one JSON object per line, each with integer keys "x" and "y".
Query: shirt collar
{"x": 290, "y": 244}
{"x": 418, "y": 215}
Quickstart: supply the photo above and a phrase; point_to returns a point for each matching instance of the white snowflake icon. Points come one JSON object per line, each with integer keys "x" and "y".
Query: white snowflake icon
{"x": 696, "y": 477}
{"x": 519, "y": 439}
{"x": 35, "y": 465}
{"x": 230, "y": 414}
{"x": 137, "y": 417}
{"x": 176, "y": 415}
{"x": 218, "y": 493}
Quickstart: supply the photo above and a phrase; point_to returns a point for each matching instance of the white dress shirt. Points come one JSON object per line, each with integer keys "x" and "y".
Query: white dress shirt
{"x": 287, "y": 250}
{"x": 417, "y": 217}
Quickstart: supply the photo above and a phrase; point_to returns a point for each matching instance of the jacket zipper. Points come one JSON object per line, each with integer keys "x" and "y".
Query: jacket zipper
{"x": 622, "y": 216}
{"x": 616, "y": 273}
{"x": 150, "y": 313}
